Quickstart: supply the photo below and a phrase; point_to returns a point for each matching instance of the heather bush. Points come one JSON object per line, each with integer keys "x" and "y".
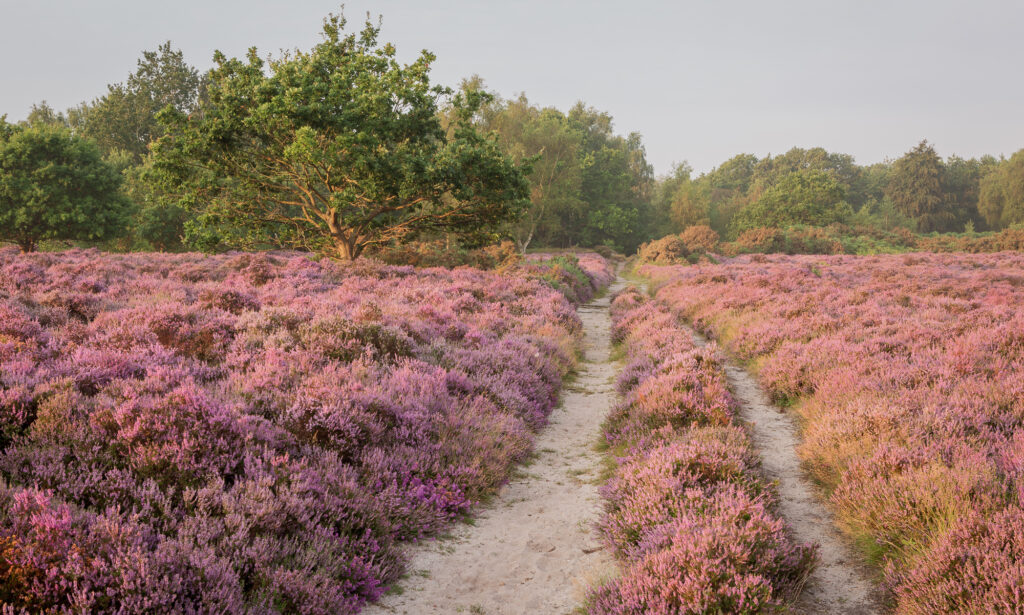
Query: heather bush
{"x": 257, "y": 433}
{"x": 906, "y": 372}
{"x": 727, "y": 554}
{"x": 974, "y": 568}
{"x": 653, "y": 487}
{"x": 687, "y": 511}
{"x": 577, "y": 276}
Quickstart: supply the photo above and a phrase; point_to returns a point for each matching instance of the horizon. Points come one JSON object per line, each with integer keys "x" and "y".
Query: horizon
{"x": 789, "y": 75}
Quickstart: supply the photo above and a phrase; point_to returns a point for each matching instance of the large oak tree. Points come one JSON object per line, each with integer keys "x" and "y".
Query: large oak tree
{"x": 335, "y": 149}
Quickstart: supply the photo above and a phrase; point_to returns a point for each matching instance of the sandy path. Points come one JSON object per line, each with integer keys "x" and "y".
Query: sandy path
{"x": 841, "y": 583}
{"x": 533, "y": 549}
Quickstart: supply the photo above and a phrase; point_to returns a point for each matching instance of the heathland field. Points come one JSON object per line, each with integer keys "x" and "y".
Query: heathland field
{"x": 906, "y": 374}
{"x": 258, "y": 432}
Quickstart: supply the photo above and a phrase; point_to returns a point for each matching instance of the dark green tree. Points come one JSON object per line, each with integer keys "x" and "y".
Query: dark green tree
{"x": 673, "y": 203}
{"x": 726, "y": 189}
{"x": 159, "y": 217}
{"x": 915, "y": 187}
{"x": 56, "y": 186}
{"x": 336, "y": 149}
{"x": 43, "y": 113}
{"x": 616, "y": 186}
{"x": 770, "y": 170}
{"x": 961, "y": 180}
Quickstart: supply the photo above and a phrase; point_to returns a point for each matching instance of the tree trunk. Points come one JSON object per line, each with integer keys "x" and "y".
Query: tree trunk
{"x": 27, "y": 245}
{"x": 348, "y": 249}
{"x": 524, "y": 243}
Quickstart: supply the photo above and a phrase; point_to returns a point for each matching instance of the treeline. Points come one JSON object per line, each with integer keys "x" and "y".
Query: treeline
{"x": 588, "y": 185}
{"x": 340, "y": 149}
{"x": 343, "y": 150}
{"x": 918, "y": 192}
{"x": 100, "y": 148}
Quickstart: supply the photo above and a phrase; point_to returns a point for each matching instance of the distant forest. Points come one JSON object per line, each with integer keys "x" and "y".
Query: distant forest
{"x": 918, "y": 191}
{"x": 585, "y": 184}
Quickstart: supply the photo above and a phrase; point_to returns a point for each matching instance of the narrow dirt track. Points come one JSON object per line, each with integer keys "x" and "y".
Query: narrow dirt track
{"x": 533, "y": 549}
{"x": 841, "y": 583}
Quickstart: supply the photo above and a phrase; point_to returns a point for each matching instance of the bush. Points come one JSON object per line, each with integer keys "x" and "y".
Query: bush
{"x": 757, "y": 240}
{"x": 665, "y": 251}
{"x": 699, "y": 239}
{"x": 907, "y": 372}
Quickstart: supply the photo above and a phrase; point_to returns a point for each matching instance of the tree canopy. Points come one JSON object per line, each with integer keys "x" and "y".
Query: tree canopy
{"x": 545, "y": 139}
{"x": 806, "y": 196}
{"x": 125, "y": 117}
{"x": 338, "y": 148}
{"x": 56, "y": 186}
{"x": 915, "y": 186}
{"x": 1001, "y": 198}
{"x": 589, "y": 186}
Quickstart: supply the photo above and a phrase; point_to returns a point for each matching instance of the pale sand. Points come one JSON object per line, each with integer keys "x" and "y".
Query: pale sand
{"x": 533, "y": 550}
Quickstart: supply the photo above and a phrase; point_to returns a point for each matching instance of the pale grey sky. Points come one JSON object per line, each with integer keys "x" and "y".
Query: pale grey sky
{"x": 702, "y": 80}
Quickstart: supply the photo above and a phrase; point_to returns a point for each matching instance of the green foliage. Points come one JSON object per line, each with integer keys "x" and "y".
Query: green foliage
{"x": 589, "y": 186}
{"x": 961, "y": 185}
{"x": 915, "y": 186}
{"x": 336, "y": 149}
{"x": 769, "y": 171}
{"x": 56, "y": 186}
{"x": 43, "y": 113}
{"x": 617, "y": 182}
{"x": 880, "y": 214}
{"x": 918, "y": 191}
{"x": 545, "y": 140}
{"x": 159, "y": 220}
{"x": 125, "y": 117}
{"x": 1001, "y": 193}
{"x": 809, "y": 197}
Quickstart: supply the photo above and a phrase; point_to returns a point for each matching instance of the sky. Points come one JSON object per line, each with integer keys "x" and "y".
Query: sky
{"x": 701, "y": 80}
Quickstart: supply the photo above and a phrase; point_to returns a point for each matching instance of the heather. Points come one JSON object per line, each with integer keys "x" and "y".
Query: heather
{"x": 906, "y": 373}
{"x": 575, "y": 275}
{"x": 688, "y": 513}
{"x": 255, "y": 432}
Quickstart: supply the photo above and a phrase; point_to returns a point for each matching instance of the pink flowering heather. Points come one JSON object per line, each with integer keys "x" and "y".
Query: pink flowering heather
{"x": 908, "y": 373}
{"x": 577, "y": 275}
{"x": 687, "y": 511}
{"x": 255, "y": 433}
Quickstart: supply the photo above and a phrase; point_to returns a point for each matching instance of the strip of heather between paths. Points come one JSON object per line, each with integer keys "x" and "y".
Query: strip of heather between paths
{"x": 534, "y": 548}
{"x": 840, "y": 582}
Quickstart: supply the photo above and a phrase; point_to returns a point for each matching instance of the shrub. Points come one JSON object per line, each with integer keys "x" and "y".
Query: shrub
{"x": 699, "y": 239}
{"x": 664, "y": 251}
